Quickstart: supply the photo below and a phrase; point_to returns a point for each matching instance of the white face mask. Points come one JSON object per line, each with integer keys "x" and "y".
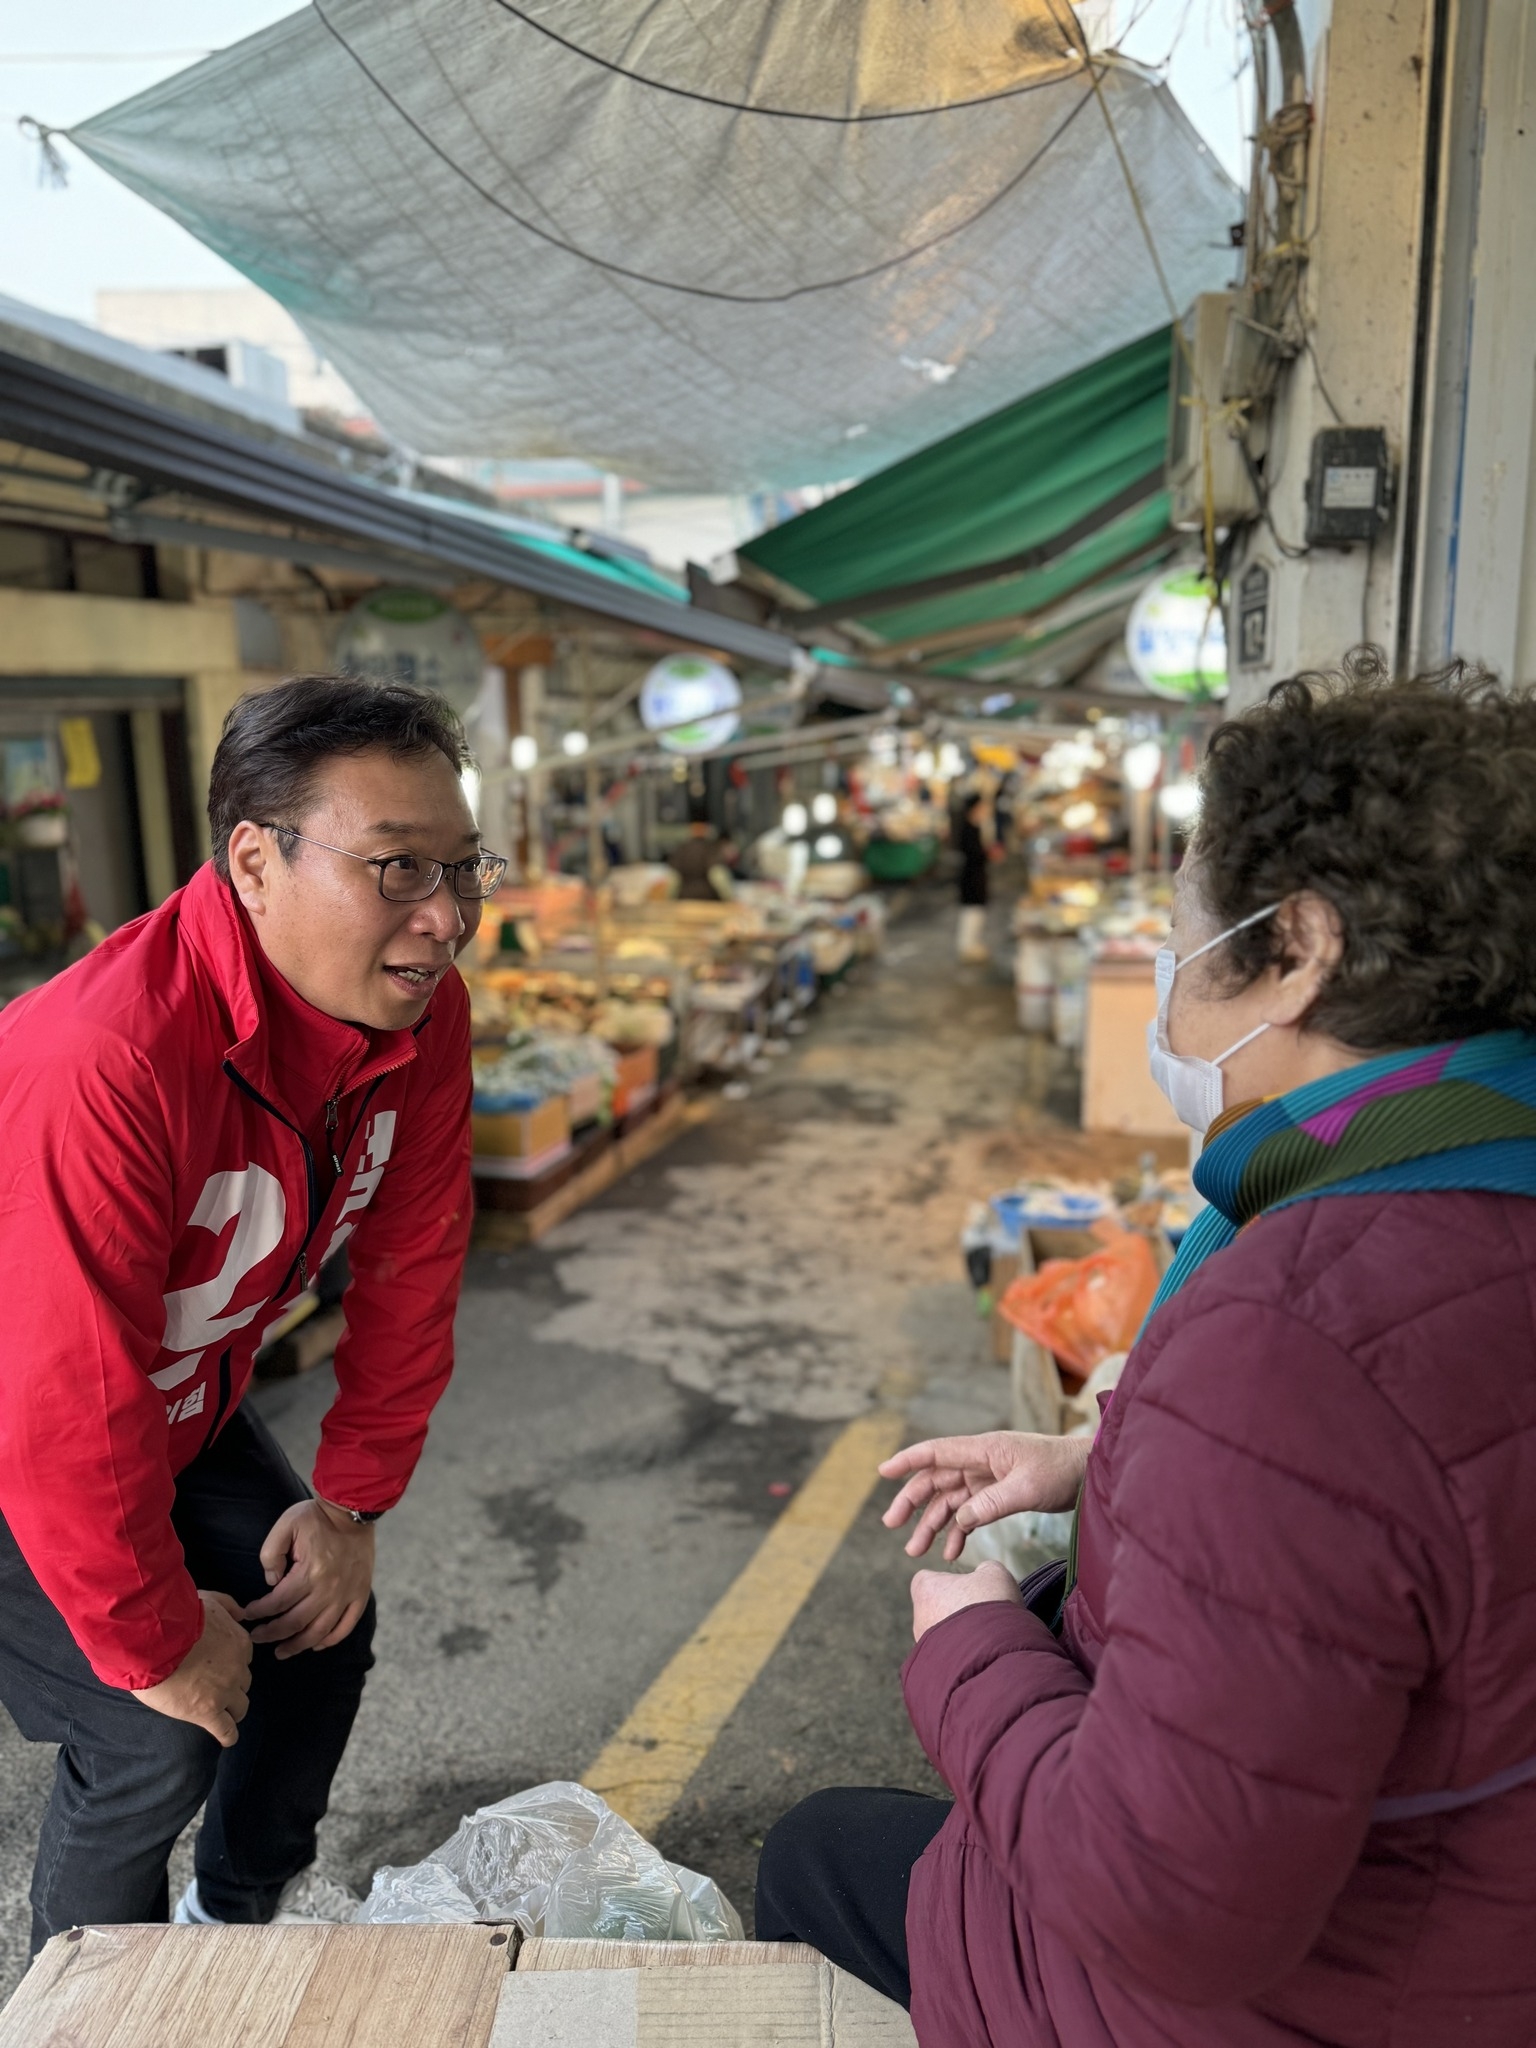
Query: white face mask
{"x": 1193, "y": 1086}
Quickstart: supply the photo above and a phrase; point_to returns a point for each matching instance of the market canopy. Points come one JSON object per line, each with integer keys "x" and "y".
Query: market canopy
{"x": 1004, "y": 536}
{"x": 713, "y": 244}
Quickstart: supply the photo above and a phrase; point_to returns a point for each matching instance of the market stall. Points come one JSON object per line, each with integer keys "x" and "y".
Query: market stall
{"x": 592, "y": 1015}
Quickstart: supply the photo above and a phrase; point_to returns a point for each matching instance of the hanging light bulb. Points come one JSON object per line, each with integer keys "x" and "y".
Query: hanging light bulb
{"x": 1078, "y": 817}
{"x": 824, "y": 808}
{"x": 1141, "y": 764}
{"x": 574, "y": 745}
{"x": 795, "y": 821}
{"x": 924, "y": 766}
{"x": 951, "y": 762}
{"x": 828, "y": 846}
{"x": 525, "y": 753}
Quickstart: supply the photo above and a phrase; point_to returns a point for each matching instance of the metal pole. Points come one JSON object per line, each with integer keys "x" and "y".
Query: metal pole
{"x": 597, "y": 852}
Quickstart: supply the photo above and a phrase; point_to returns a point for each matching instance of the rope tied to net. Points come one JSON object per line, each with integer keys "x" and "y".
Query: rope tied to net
{"x": 51, "y": 167}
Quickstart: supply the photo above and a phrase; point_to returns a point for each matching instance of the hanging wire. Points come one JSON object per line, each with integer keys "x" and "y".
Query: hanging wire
{"x": 669, "y": 284}
{"x": 707, "y": 99}
{"x": 1176, "y": 316}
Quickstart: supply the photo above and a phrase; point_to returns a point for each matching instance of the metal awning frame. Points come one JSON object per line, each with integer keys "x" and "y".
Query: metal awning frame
{"x": 47, "y": 408}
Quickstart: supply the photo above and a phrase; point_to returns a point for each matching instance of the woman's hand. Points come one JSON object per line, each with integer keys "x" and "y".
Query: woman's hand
{"x": 964, "y": 1481}
{"x": 938, "y": 1595}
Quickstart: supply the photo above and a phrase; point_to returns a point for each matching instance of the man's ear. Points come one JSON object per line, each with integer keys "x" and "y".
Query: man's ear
{"x": 251, "y": 853}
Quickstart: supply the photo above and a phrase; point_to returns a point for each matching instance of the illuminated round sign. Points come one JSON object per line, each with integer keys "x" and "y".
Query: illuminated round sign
{"x": 411, "y": 636}
{"x": 692, "y": 704}
{"x": 1176, "y": 640}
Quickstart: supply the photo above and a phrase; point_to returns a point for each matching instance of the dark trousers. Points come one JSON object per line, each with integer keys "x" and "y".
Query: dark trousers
{"x": 129, "y": 1779}
{"x": 834, "y": 1873}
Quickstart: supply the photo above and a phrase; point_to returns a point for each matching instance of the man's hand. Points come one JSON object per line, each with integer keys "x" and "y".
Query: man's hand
{"x": 937, "y": 1595}
{"x": 319, "y": 1564}
{"x": 965, "y": 1481}
{"x": 211, "y": 1685}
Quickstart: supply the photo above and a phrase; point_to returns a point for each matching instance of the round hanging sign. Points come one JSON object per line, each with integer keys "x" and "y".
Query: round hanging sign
{"x": 691, "y": 703}
{"x": 1176, "y": 640}
{"x": 412, "y": 636}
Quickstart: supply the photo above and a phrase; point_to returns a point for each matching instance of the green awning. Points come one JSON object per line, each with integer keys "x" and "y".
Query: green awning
{"x": 1003, "y": 519}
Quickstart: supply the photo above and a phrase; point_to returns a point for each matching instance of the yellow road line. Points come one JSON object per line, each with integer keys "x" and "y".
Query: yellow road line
{"x": 673, "y": 1727}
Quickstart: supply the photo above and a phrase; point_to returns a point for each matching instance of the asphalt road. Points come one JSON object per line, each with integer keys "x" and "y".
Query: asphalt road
{"x": 631, "y": 1400}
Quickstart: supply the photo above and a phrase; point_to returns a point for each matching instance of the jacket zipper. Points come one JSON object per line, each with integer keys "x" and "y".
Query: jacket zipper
{"x": 218, "y": 1413}
{"x": 311, "y": 1180}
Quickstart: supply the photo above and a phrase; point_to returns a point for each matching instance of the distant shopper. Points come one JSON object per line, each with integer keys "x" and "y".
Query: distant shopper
{"x": 1271, "y": 1778}
{"x": 196, "y": 1117}
{"x": 975, "y": 858}
{"x": 697, "y": 856}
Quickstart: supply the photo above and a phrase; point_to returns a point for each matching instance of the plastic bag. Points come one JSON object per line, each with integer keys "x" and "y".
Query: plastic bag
{"x": 1085, "y": 1309}
{"x": 558, "y": 1860}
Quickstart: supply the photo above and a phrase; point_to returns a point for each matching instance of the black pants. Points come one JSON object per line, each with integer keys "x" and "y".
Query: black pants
{"x": 834, "y": 1872}
{"x": 129, "y": 1779}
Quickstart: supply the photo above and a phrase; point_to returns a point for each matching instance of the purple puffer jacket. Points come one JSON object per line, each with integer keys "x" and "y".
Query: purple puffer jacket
{"x": 1307, "y": 1594}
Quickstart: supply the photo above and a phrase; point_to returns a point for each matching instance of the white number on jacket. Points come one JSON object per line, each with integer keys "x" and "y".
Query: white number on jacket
{"x": 194, "y": 1316}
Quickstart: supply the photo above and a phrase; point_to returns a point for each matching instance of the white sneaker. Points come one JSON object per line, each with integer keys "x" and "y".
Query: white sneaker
{"x": 189, "y": 1910}
{"x": 311, "y": 1897}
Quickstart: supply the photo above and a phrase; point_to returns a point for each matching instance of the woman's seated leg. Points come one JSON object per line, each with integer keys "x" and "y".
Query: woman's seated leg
{"x": 834, "y": 1873}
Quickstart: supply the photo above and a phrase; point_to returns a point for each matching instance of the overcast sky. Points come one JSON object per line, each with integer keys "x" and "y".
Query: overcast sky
{"x": 70, "y": 58}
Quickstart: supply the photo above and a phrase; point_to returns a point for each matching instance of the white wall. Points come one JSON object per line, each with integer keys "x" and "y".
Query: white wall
{"x": 204, "y": 319}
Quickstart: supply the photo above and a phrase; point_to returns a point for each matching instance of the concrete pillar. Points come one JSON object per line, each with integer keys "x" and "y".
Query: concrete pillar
{"x": 1369, "y": 81}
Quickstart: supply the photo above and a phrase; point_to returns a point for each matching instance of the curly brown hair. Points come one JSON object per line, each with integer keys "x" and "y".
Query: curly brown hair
{"x": 1410, "y": 807}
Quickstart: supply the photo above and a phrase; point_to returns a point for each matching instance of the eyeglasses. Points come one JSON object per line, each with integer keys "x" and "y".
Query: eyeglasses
{"x": 407, "y": 878}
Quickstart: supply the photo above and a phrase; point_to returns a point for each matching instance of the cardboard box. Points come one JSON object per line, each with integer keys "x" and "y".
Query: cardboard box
{"x": 433, "y": 1987}
{"x": 522, "y": 1134}
{"x": 636, "y": 1083}
{"x": 662, "y": 1994}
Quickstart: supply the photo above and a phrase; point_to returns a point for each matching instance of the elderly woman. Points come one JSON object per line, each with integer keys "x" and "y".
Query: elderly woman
{"x": 1271, "y": 1775}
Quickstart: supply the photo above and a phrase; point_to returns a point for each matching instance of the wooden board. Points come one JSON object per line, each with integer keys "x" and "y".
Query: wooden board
{"x": 261, "y": 1987}
{"x": 501, "y": 1230}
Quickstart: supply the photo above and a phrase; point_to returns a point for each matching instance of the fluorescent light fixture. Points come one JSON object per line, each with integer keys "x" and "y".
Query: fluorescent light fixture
{"x": 525, "y": 753}
{"x": 1141, "y": 764}
{"x": 575, "y": 744}
{"x": 824, "y": 808}
{"x": 796, "y": 819}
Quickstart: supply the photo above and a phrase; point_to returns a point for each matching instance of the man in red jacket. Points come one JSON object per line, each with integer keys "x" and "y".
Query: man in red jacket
{"x": 202, "y": 1112}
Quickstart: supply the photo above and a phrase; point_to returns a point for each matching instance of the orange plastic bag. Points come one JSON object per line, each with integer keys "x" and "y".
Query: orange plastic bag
{"x": 1086, "y": 1309}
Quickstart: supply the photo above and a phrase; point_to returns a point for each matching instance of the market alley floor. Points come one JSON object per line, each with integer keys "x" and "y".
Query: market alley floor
{"x": 633, "y": 1401}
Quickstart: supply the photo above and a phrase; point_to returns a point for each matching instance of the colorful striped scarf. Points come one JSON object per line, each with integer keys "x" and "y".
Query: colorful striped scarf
{"x": 1461, "y": 1115}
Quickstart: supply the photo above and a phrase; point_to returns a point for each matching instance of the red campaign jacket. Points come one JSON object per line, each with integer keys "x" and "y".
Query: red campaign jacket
{"x": 1253, "y": 1799}
{"x": 160, "y": 1205}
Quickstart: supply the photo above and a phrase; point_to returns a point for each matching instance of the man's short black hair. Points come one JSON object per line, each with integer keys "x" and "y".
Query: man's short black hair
{"x": 274, "y": 742}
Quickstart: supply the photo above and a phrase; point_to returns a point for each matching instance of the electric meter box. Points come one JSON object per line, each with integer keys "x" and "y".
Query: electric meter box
{"x": 1197, "y": 423}
{"x": 1349, "y": 486}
